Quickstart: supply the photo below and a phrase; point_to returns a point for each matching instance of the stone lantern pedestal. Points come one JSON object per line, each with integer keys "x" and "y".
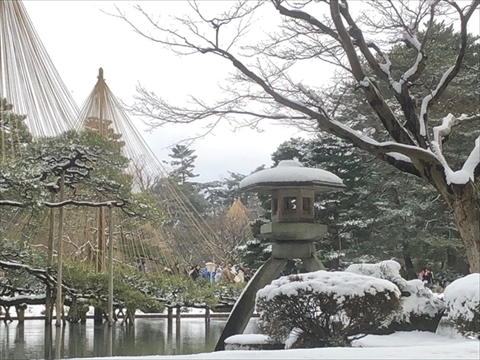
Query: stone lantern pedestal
{"x": 293, "y": 232}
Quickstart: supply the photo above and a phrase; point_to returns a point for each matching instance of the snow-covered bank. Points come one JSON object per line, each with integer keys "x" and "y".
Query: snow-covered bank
{"x": 402, "y": 345}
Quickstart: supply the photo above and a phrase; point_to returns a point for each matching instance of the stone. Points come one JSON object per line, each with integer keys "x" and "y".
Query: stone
{"x": 293, "y": 231}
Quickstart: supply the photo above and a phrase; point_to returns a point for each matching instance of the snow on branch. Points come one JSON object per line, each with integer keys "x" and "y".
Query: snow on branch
{"x": 66, "y": 202}
{"x": 373, "y": 96}
{"x": 426, "y": 102}
{"x": 7, "y": 301}
{"x": 40, "y": 274}
{"x": 311, "y": 94}
{"x": 412, "y": 40}
{"x": 385, "y": 67}
{"x": 443, "y": 130}
{"x": 84, "y": 203}
{"x": 11, "y": 203}
{"x": 467, "y": 172}
{"x": 399, "y": 157}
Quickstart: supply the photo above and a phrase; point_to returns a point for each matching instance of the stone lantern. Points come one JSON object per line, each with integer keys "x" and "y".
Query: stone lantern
{"x": 292, "y": 188}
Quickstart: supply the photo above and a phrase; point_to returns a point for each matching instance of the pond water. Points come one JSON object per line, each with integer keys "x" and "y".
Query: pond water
{"x": 148, "y": 337}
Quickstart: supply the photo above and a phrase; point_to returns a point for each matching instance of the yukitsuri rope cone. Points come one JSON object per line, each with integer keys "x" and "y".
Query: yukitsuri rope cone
{"x": 32, "y": 87}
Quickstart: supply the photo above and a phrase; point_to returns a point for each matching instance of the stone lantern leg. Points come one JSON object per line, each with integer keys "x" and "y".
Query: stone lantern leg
{"x": 293, "y": 232}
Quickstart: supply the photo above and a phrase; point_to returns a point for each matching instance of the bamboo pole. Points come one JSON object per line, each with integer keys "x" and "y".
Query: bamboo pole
{"x": 49, "y": 298}
{"x": 178, "y": 314}
{"x": 101, "y": 222}
{"x": 59, "y": 310}
{"x": 50, "y": 231}
{"x": 11, "y": 141}
{"x": 100, "y": 240}
{"x": 4, "y": 148}
{"x": 110, "y": 266}
{"x": 100, "y": 255}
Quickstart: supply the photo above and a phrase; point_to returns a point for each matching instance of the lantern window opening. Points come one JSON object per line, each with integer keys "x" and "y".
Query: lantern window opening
{"x": 290, "y": 203}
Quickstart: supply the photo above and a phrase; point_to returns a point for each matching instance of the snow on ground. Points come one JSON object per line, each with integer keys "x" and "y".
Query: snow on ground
{"x": 404, "y": 339}
{"x": 402, "y": 345}
{"x": 247, "y": 339}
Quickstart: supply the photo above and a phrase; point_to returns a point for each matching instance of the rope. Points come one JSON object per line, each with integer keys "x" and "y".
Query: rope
{"x": 29, "y": 81}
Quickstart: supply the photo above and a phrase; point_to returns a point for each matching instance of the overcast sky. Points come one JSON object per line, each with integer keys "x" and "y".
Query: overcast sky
{"x": 80, "y": 38}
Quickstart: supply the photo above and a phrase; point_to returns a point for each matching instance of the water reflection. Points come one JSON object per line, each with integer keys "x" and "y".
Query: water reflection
{"x": 149, "y": 337}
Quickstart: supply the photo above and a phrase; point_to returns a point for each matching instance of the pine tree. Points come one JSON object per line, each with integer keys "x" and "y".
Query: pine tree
{"x": 182, "y": 163}
{"x": 14, "y": 134}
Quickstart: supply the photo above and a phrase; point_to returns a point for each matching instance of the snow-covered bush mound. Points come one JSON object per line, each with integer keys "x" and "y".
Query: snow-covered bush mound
{"x": 463, "y": 302}
{"x": 388, "y": 270}
{"x": 419, "y": 304}
{"x": 324, "y": 308}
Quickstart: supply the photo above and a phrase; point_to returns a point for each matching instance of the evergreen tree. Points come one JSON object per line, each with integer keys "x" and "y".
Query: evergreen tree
{"x": 182, "y": 163}
{"x": 14, "y": 134}
{"x": 221, "y": 194}
{"x": 177, "y": 184}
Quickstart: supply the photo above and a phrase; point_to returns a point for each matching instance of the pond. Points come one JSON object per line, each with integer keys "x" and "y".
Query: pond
{"x": 148, "y": 337}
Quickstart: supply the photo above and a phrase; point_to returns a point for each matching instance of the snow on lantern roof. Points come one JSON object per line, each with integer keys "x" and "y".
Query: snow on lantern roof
{"x": 291, "y": 173}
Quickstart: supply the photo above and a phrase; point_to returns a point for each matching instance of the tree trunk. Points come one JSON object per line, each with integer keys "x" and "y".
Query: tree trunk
{"x": 409, "y": 268}
{"x": 451, "y": 258}
{"x": 466, "y": 211}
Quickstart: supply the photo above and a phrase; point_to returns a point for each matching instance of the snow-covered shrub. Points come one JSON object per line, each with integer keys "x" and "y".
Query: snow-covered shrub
{"x": 463, "y": 301}
{"x": 420, "y": 309}
{"x": 388, "y": 270}
{"x": 324, "y": 308}
{"x": 421, "y": 300}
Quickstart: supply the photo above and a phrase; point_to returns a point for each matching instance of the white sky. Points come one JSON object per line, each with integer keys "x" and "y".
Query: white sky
{"x": 80, "y": 38}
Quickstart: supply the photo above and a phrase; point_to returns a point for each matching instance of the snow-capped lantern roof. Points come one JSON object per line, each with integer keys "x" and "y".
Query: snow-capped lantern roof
{"x": 291, "y": 173}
